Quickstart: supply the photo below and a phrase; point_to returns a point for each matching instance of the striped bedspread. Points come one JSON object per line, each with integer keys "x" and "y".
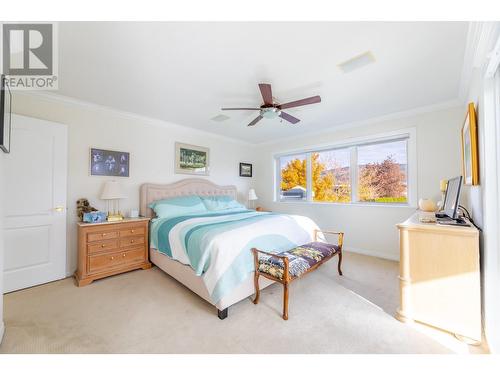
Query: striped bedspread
{"x": 217, "y": 245}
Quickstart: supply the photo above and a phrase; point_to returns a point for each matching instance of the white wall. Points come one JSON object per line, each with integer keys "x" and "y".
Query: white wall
{"x": 480, "y": 206}
{"x": 151, "y": 147}
{"x": 372, "y": 229}
{"x": 2, "y": 325}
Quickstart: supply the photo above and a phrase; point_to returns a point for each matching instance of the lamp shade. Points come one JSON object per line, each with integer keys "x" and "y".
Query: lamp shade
{"x": 251, "y": 195}
{"x": 112, "y": 190}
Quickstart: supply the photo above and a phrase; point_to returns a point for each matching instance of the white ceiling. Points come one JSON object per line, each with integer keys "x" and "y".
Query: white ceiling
{"x": 185, "y": 72}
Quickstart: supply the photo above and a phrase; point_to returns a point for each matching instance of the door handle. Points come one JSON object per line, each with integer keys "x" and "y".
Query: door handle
{"x": 59, "y": 208}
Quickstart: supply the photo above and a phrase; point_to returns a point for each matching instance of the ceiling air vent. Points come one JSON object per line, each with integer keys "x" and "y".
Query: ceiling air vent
{"x": 220, "y": 118}
{"x": 357, "y": 62}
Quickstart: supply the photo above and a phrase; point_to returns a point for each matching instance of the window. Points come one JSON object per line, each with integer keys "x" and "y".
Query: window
{"x": 293, "y": 172}
{"x": 382, "y": 172}
{"x": 369, "y": 171}
{"x": 331, "y": 179}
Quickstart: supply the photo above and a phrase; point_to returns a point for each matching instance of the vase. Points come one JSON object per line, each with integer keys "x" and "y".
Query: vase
{"x": 427, "y": 205}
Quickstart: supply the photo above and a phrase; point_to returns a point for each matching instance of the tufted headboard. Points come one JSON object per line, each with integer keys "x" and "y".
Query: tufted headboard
{"x": 189, "y": 186}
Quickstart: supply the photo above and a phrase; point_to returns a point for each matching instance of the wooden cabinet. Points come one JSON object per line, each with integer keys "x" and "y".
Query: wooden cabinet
{"x": 106, "y": 249}
{"x": 440, "y": 277}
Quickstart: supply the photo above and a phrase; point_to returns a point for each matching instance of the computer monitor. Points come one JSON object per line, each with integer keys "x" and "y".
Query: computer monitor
{"x": 452, "y": 198}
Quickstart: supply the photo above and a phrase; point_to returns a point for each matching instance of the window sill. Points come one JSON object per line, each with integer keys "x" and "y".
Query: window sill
{"x": 355, "y": 204}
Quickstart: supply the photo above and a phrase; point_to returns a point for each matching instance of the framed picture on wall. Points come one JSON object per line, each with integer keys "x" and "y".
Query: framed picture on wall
{"x": 109, "y": 163}
{"x": 245, "y": 170}
{"x": 470, "y": 154}
{"x": 5, "y": 115}
{"x": 190, "y": 159}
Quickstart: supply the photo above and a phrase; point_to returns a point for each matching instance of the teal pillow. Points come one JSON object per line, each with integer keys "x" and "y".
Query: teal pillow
{"x": 221, "y": 202}
{"x": 179, "y": 206}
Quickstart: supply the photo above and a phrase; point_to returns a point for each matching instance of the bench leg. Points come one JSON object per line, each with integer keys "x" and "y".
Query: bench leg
{"x": 285, "y": 301}
{"x": 339, "y": 267}
{"x": 222, "y": 314}
{"x": 257, "y": 289}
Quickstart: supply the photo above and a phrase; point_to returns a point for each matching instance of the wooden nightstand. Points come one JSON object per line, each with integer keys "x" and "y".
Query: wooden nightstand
{"x": 110, "y": 248}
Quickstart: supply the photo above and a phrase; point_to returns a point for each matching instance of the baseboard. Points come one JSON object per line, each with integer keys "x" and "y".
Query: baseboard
{"x": 372, "y": 253}
{"x": 2, "y": 331}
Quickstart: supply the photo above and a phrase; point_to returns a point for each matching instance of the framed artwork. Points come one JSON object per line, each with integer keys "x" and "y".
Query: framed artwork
{"x": 109, "y": 163}
{"x": 245, "y": 170}
{"x": 5, "y": 115}
{"x": 190, "y": 159}
{"x": 470, "y": 154}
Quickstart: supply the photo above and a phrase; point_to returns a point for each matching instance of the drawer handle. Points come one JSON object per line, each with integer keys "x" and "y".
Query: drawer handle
{"x": 112, "y": 258}
{"x": 132, "y": 231}
{"x": 124, "y": 255}
{"x": 103, "y": 245}
{"x": 104, "y": 234}
{"x": 132, "y": 241}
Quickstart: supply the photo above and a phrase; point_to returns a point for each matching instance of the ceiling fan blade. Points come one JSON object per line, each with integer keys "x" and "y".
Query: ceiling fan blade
{"x": 298, "y": 103}
{"x": 240, "y": 109}
{"x": 267, "y": 95}
{"x": 256, "y": 120}
{"x": 289, "y": 118}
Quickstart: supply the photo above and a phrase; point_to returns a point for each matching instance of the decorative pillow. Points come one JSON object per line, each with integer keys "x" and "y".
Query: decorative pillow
{"x": 178, "y": 206}
{"x": 221, "y": 202}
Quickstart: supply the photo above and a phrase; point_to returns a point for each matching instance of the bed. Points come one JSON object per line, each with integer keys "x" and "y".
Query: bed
{"x": 222, "y": 273}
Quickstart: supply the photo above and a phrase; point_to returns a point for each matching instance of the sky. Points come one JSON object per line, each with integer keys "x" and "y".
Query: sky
{"x": 375, "y": 153}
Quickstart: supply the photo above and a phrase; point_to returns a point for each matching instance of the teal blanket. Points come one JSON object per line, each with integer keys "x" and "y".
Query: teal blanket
{"x": 218, "y": 245}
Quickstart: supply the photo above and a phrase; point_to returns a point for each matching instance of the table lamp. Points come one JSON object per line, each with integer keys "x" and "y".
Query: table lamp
{"x": 443, "y": 185}
{"x": 112, "y": 193}
{"x": 252, "y": 196}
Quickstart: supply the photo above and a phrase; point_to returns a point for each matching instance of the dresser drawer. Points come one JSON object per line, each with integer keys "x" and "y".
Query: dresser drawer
{"x": 102, "y": 236}
{"x": 101, "y": 246}
{"x": 131, "y": 241}
{"x": 107, "y": 261}
{"x": 134, "y": 231}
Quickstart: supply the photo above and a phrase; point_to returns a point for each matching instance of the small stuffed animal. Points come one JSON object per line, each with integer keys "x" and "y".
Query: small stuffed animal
{"x": 83, "y": 206}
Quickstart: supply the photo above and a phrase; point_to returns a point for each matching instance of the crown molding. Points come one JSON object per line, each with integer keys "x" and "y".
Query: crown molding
{"x": 481, "y": 37}
{"x": 151, "y": 121}
{"x": 373, "y": 120}
{"x": 157, "y": 122}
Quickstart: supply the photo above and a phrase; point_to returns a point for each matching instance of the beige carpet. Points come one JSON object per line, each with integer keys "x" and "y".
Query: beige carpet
{"x": 149, "y": 312}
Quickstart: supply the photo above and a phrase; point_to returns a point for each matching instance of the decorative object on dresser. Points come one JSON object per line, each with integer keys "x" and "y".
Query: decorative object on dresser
{"x": 5, "y": 114}
{"x": 112, "y": 193}
{"x": 107, "y": 249}
{"x": 94, "y": 217}
{"x": 470, "y": 153}
{"x": 246, "y": 170}
{"x": 83, "y": 206}
{"x": 190, "y": 159}
{"x": 109, "y": 163}
{"x": 440, "y": 278}
{"x": 427, "y": 205}
{"x": 292, "y": 264}
{"x": 252, "y": 197}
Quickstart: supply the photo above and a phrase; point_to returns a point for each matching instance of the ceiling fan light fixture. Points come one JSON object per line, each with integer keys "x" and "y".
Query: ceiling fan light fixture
{"x": 272, "y": 109}
{"x": 270, "y": 113}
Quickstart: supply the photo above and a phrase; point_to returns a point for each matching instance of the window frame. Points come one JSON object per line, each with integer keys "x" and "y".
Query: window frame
{"x": 409, "y": 134}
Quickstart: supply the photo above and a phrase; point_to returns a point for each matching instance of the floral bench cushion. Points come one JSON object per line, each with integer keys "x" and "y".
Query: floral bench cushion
{"x": 300, "y": 258}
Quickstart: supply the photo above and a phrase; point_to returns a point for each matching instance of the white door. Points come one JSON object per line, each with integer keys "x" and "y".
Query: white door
{"x": 35, "y": 203}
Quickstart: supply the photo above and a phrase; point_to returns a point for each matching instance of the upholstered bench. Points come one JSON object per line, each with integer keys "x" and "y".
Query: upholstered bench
{"x": 291, "y": 265}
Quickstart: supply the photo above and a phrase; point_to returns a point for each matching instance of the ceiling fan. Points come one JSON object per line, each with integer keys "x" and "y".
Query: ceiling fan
{"x": 271, "y": 109}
